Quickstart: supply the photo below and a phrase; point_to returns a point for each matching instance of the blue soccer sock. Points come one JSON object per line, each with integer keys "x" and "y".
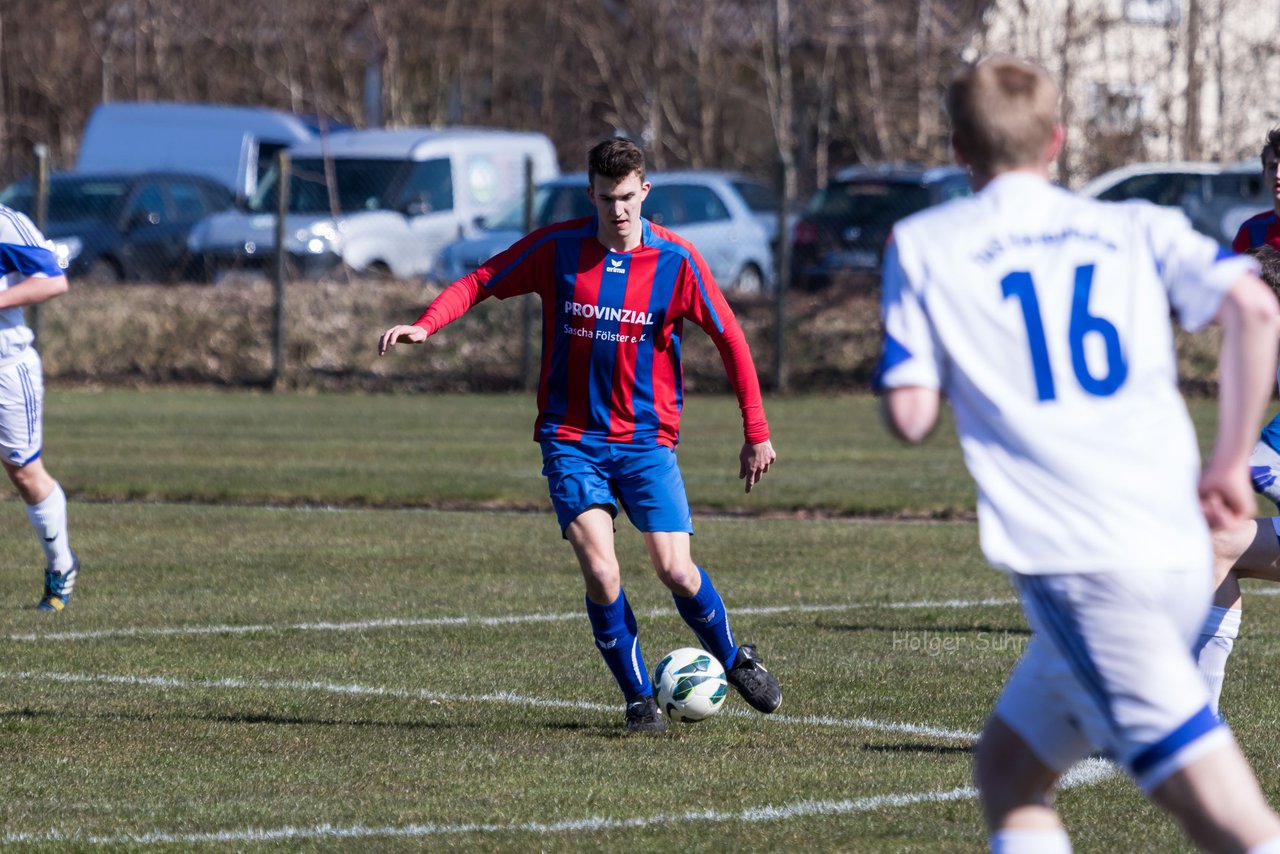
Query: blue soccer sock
{"x": 704, "y": 612}
{"x": 614, "y": 627}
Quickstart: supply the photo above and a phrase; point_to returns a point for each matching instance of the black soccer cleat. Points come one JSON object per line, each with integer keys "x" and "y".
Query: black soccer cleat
{"x": 643, "y": 716}
{"x": 757, "y": 686}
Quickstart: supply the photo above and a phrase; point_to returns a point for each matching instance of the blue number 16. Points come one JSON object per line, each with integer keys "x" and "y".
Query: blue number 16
{"x": 1019, "y": 285}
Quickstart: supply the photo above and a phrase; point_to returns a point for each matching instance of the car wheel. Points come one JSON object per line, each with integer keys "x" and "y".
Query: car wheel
{"x": 103, "y": 271}
{"x": 750, "y": 281}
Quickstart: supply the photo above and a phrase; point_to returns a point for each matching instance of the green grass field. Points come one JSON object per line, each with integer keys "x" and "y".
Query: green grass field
{"x": 323, "y": 623}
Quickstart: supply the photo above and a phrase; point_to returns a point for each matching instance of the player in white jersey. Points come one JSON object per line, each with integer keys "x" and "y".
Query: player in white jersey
{"x": 1248, "y": 550}
{"x": 1044, "y": 319}
{"x": 29, "y": 274}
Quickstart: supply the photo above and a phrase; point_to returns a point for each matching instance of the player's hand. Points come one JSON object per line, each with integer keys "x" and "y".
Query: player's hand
{"x": 1226, "y": 497}
{"x": 755, "y": 461}
{"x": 411, "y": 334}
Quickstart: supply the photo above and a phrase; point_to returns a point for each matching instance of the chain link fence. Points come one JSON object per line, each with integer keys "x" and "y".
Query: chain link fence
{"x": 183, "y": 284}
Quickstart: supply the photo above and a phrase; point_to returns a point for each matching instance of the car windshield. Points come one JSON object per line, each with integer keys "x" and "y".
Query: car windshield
{"x": 869, "y": 201}
{"x": 69, "y": 201}
{"x": 759, "y": 198}
{"x": 511, "y": 219}
{"x": 555, "y": 203}
{"x": 359, "y": 185}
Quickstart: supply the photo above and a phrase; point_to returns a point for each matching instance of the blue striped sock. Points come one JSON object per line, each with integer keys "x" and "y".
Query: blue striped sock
{"x": 704, "y": 612}
{"x": 614, "y": 628}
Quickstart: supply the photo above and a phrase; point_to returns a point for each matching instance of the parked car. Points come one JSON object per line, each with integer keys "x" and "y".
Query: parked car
{"x": 380, "y": 201}
{"x": 731, "y": 218}
{"x": 556, "y": 200}
{"x": 845, "y": 226}
{"x": 1216, "y": 197}
{"x": 113, "y": 227}
{"x": 232, "y": 145}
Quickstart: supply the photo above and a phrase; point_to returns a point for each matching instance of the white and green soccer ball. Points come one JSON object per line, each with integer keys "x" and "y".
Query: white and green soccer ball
{"x": 690, "y": 684}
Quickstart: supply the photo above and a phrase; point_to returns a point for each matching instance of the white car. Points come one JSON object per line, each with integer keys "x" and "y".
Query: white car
{"x": 379, "y": 201}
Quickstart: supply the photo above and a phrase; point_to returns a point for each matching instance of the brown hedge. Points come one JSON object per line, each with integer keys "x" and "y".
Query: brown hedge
{"x": 222, "y": 335}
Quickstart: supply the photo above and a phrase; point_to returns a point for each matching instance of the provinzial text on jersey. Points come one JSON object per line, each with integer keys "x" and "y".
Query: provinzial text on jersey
{"x": 608, "y": 313}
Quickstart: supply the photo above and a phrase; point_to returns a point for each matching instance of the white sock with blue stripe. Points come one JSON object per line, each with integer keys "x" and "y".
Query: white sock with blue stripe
{"x": 1213, "y": 647}
{"x": 49, "y": 519}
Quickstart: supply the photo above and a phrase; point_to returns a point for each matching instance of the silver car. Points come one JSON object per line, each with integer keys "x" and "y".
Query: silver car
{"x": 1216, "y": 197}
{"x": 730, "y": 218}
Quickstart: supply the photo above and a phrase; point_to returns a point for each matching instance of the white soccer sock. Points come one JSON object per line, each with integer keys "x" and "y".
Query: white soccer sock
{"x": 49, "y": 518}
{"x": 1030, "y": 842}
{"x": 1271, "y": 846}
{"x": 1217, "y": 637}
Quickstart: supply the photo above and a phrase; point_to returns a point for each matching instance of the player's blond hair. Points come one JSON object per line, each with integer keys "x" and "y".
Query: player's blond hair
{"x": 1003, "y": 113}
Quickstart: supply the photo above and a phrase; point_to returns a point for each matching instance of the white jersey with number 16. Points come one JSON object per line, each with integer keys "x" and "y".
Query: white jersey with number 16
{"x": 1044, "y": 317}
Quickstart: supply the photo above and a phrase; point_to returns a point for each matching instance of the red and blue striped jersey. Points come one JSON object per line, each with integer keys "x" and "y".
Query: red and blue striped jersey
{"x": 612, "y": 329}
{"x": 1257, "y": 230}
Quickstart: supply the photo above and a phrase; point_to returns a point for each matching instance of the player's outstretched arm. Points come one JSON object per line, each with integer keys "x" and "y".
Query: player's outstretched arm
{"x": 408, "y": 334}
{"x": 754, "y": 461}
{"x": 1250, "y": 320}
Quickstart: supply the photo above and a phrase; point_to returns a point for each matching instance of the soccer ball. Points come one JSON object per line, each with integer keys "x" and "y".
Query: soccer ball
{"x": 691, "y": 684}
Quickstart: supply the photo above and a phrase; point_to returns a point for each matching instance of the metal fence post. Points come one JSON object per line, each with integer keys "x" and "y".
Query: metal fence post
{"x": 41, "y": 217}
{"x": 782, "y": 255}
{"x": 281, "y": 270}
{"x": 526, "y": 306}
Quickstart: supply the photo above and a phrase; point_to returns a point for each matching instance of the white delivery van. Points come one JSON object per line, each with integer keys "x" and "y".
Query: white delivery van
{"x": 380, "y": 201}
{"x": 232, "y": 145}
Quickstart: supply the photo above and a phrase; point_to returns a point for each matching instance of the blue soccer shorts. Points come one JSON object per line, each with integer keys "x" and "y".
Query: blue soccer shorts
{"x": 1264, "y": 468}
{"x": 644, "y": 479}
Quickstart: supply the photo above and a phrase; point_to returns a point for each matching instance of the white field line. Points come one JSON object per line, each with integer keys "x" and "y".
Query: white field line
{"x": 1088, "y": 772}
{"x": 421, "y": 622}
{"x": 508, "y": 697}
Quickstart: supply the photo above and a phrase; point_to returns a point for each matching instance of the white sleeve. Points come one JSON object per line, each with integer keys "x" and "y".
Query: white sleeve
{"x": 909, "y": 355}
{"x": 1195, "y": 269}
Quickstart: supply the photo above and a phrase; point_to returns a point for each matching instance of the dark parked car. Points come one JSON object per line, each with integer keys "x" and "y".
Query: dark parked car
{"x": 845, "y": 226}
{"x": 117, "y": 227}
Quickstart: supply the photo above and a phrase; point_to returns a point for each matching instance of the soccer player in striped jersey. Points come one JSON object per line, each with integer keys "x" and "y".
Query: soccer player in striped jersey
{"x": 1250, "y": 549}
{"x": 1044, "y": 318}
{"x": 1264, "y": 228}
{"x": 29, "y": 275}
{"x": 616, "y": 290}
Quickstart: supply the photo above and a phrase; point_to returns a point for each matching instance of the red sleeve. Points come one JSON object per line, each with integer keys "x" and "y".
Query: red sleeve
{"x": 519, "y": 269}
{"x": 452, "y": 303}
{"x": 1241, "y": 244}
{"x": 707, "y": 307}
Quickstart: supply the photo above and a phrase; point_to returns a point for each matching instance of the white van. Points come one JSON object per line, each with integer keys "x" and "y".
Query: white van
{"x": 232, "y": 145}
{"x": 379, "y": 201}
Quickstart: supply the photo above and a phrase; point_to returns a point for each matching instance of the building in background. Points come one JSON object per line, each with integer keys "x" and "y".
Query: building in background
{"x": 1148, "y": 80}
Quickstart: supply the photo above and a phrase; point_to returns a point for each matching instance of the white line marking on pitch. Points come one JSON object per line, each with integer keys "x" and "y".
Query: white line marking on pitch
{"x": 509, "y": 697}
{"x": 422, "y": 622}
{"x": 1086, "y": 773}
